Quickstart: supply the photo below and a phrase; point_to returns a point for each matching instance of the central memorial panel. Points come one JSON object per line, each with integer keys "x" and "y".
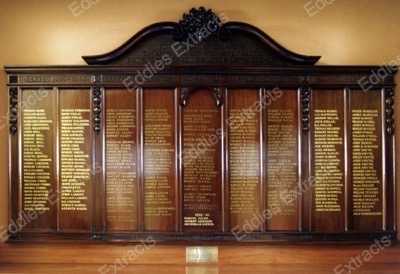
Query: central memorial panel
{"x": 202, "y": 162}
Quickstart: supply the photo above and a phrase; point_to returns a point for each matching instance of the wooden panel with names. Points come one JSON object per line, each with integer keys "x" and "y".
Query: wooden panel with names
{"x": 202, "y": 165}
{"x": 366, "y": 160}
{"x": 160, "y": 157}
{"x": 244, "y": 158}
{"x": 121, "y": 160}
{"x": 282, "y": 162}
{"x": 39, "y": 187}
{"x": 328, "y": 160}
{"x": 75, "y": 159}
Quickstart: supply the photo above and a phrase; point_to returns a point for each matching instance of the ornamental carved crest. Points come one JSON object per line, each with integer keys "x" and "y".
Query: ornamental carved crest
{"x": 199, "y": 22}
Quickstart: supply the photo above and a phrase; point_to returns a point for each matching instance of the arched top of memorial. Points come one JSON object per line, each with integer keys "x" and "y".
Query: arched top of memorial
{"x": 201, "y": 38}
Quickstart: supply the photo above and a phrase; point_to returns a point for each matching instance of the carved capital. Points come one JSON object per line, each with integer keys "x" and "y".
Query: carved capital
{"x": 389, "y": 79}
{"x": 13, "y": 79}
{"x": 96, "y": 79}
{"x": 305, "y": 79}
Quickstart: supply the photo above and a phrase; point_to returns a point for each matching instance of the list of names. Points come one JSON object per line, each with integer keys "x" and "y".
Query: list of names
{"x": 158, "y": 165}
{"x": 366, "y": 185}
{"x": 37, "y": 162}
{"x": 329, "y": 184}
{"x": 281, "y": 160}
{"x": 120, "y": 165}
{"x": 75, "y": 161}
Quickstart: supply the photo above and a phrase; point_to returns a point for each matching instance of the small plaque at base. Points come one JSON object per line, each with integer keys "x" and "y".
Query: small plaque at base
{"x": 202, "y": 254}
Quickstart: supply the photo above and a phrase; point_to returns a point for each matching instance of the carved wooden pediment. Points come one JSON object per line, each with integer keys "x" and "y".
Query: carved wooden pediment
{"x": 201, "y": 38}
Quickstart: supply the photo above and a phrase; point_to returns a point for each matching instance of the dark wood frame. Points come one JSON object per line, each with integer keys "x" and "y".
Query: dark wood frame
{"x": 292, "y": 71}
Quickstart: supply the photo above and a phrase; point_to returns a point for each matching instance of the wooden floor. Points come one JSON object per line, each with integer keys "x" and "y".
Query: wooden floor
{"x": 250, "y": 259}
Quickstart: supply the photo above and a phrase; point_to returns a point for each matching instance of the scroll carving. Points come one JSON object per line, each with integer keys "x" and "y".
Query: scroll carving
{"x": 216, "y": 91}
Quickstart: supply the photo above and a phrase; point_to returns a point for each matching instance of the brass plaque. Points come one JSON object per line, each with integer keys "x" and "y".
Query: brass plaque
{"x": 201, "y": 269}
{"x": 202, "y": 254}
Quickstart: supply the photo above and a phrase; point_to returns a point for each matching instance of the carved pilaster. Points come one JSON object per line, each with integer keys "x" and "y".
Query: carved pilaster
{"x": 389, "y": 101}
{"x": 13, "y": 114}
{"x": 305, "y": 109}
{"x": 97, "y": 108}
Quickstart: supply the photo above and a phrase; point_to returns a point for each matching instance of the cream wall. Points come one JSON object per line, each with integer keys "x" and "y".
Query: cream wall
{"x": 46, "y": 32}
